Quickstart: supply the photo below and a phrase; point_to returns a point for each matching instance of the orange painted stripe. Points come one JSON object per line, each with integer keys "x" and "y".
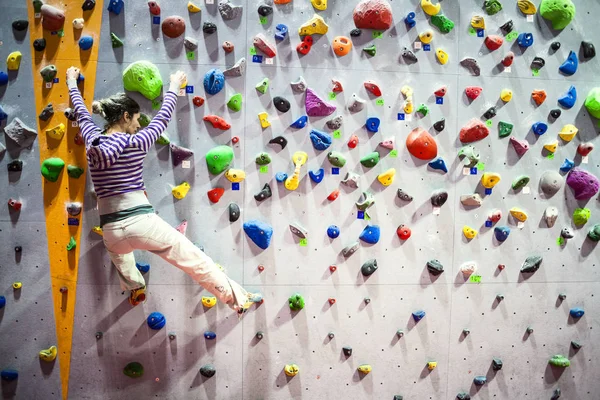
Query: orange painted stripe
{"x": 63, "y": 51}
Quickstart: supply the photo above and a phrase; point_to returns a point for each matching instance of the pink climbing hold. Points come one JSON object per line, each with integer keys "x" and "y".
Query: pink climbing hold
{"x": 373, "y": 88}
{"x": 182, "y": 227}
{"x": 317, "y": 107}
{"x": 473, "y": 131}
{"x": 53, "y": 19}
{"x": 520, "y": 146}
{"x": 473, "y": 92}
{"x": 584, "y": 184}
{"x": 421, "y": 144}
{"x": 261, "y": 43}
{"x": 373, "y": 14}
{"x": 493, "y": 42}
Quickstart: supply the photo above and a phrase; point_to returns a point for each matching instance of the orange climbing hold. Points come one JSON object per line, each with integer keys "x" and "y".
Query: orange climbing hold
{"x": 539, "y": 96}
{"x": 341, "y": 46}
{"x": 215, "y": 194}
{"x": 217, "y": 122}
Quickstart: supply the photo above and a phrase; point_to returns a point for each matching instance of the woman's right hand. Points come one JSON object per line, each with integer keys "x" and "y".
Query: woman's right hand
{"x": 178, "y": 79}
{"x": 73, "y": 73}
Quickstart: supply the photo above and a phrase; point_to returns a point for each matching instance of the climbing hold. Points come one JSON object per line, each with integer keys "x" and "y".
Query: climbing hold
{"x": 356, "y": 103}
{"x": 490, "y": 179}
{"x": 559, "y": 360}
{"x": 387, "y": 143}
{"x": 333, "y": 195}
{"x": 48, "y": 73}
{"x": 538, "y": 96}
{"x": 559, "y": 12}
{"x": 521, "y": 146}
{"x": 229, "y": 11}
{"x": 526, "y": 7}
{"x": 506, "y": 95}
{"x": 296, "y": 302}
{"x": 552, "y": 146}
{"x": 163, "y": 139}
{"x": 259, "y": 232}
{"x": 403, "y": 232}
{"x": 70, "y": 114}
{"x": 438, "y": 164}
{"x": 585, "y": 148}
{"x": 234, "y": 212}
{"x": 469, "y": 232}
{"x": 228, "y": 46}
{"x": 341, "y": 44}
{"x": 518, "y": 214}
{"x": 333, "y": 231}
{"x": 592, "y": 102}
{"x": 347, "y": 351}
{"x": 492, "y": 6}
{"x": 434, "y": 267}
{"x": 568, "y": 132}
{"x": 263, "y": 118}
{"x": 336, "y": 158}
{"x": 350, "y": 249}
{"x": 439, "y": 198}
{"x": 134, "y": 370}
{"x": 531, "y": 264}
{"x": 355, "y": 32}
{"x": 581, "y": 216}
{"x": 209, "y": 28}
{"x": 217, "y": 122}
{"x": 317, "y": 176}
{"x": 261, "y": 43}
{"x": 299, "y": 85}
{"x": 441, "y": 92}
{"x": 218, "y": 159}
{"x": 74, "y": 209}
{"x": 305, "y": 46}
{"x": 567, "y": 165}
{"x": 423, "y": 109}
{"x": 365, "y": 201}
{"x": 370, "y": 234}
{"x": 282, "y": 105}
{"x": 115, "y": 6}
{"x": 74, "y": 171}
{"x": 508, "y": 59}
{"x": 539, "y": 128}
{"x": 317, "y": 107}
{"x": 14, "y": 165}
{"x": 568, "y": 99}
{"x": 86, "y": 42}
{"x": 142, "y": 267}
{"x": 17, "y": 285}
{"x": 473, "y": 92}
{"x": 373, "y": 14}
{"x": 259, "y": 335}
{"x": 364, "y": 369}
{"x": 409, "y": 20}
{"x": 15, "y": 204}
{"x": 179, "y": 153}
{"x": 234, "y": 103}
{"x": 472, "y": 65}
{"x": 501, "y": 233}
{"x": 57, "y": 132}
{"x": 402, "y": 195}
{"x": 210, "y": 335}
{"x": 478, "y": 22}
{"x": 237, "y": 69}
{"x": 320, "y": 140}
{"x": 235, "y": 175}
{"x": 291, "y": 370}
{"x": 20, "y": 25}
{"x": 490, "y": 113}
{"x": 156, "y": 321}
{"x": 53, "y": 19}
{"x": 370, "y": 160}
{"x": 567, "y": 233}
{"x": 51, "y": 168}
{"x": 372, "y": 124}
{"x": 551, "y": 182}
{"x": 418, "y": 315}
{"x": 443, "y": 23}
{"x": 426, "y": 37}
{"x": 154, "y": 8}
{"x": 315, "y": 25}
{"x": 569, "y": 67}
{"x": 470, "y": 155}
{"x": 298, "y": 231}
{"x": 473, "y": 131}
{"x": 431, "y": 365}
{"x": 143, "y": 77}
{"x": 538, "y": 63}
{"x": 408, "y": 55}
{"x": 281, "y": 176}
{"x": 208, "y": 371}
{"x": 264, "y": 193}
{"x": 13, "y": 61}
{"x": 214, "y": 81}
{"x": 594, "y": 233}
{"x": 336, "y": 122}
{"x": 386, "y": 178}
{"x": 471, "y": 200}
{"x": 265, "y": 10}
{"x": 370, "y": 50}
{"x": 479, "y": 380}
{"x": 576, "y": 345}
{"x": 173, "y": 26}
{"x": 281, "y": 32}
{"x": 9, "y": 374}
{"x": 39, "y": 44}
{"x": 493, "y": 42}
{"x": 429, "y": 8}
{"x": 279, "y": 140}
{"x": 525, "y": 39}
{"x": 351, "y": 180}
{"x": 421, "y": 144}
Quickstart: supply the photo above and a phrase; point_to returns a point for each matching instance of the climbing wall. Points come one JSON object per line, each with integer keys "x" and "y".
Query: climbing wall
{"x": 26, "y": 314}
{"x": 496, "y": 312}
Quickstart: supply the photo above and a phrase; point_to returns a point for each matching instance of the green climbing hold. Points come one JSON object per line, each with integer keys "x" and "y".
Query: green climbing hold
{"x": 235, "y": 102}
{"x": 559, "y": 12}
{"x": 336, "y": 159}
{"x": 115, "y": 40}
{"x": 492, "y": 7}
{"x": 72, "y": 244}
{"x": 423, "y": 109}
{"x": 143, "y": 77}
{"x": 504, "y": 129}
{"x": 443, "y": 23}
{"x": 51, "y": 168}
{"x": 520, "y": 182}
{"x": 134, "y": 370}
{"x": 296, "y": 302}
{"x": 592, "y": 102}
{"x": 263, "y": 158}
{"x": 581, "y": 216}
{"x": 144, "y": 120}
{"x": 163, "y": 139}
{"x": 371, "y": 50}
{"x": 74, "y": 171}
{"x": 370, "y": 160}
{"x": 263, "y": 85}
{"x": 594, "y": 233}
{"x": 218, "y": 159}
{"x": 37, "y": 6}
{"x": 559, "y": 361}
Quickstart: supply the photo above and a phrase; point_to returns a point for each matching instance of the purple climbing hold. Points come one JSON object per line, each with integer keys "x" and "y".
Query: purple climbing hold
{"x": 178, "y": 154}
{"x": 317, "y": 107}
{"x": 584, "y": 184}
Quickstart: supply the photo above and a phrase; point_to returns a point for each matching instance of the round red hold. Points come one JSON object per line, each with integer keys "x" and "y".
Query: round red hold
{"x": 261, "y": 268}
{"x": 331, "y": 301}
{"x": 198, "y": 101}
{"x": 403, "y": 232}
{"x": 353, "y": 142}
{"x": 332, "y": 268}
{"x": 235, "y": 140}
{"x": 501, "y": 266}
{"x": 333, "y": 195}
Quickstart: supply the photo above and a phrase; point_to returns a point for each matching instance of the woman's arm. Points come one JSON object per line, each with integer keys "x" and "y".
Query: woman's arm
{"x": 147, "y": 136}
{"x": 89, "y": 130}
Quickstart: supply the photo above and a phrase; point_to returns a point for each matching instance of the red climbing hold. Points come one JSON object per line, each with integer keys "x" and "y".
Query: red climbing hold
{"x": 441, "y": 92}
{"x": 501, "y": 266}
{"x": 473, "y": 131}
{"x": 373, "y": 14}
{"x": 373, "y": 88}
{"x": 198, "y": 101}
{"x": 331, "y": 301}
{"x": 473, "y": 92}
{"x": 332, "y": 268}
{"x": 215, "y": 194}
{"x": 261, "y": 43}
{"x": 333, "y": 195}
{"x": 421, "y": 144}
{"x": 493, "y": 42}
{"x": 154, "y": 8}
{"x": 261, "y": 268}
{"x": 235, "y": 140}
{"x": 217, "y": 122}
{"x": 15, "y": 204}
{"x": 173, "y": 26}
{"x": 353, "y": 142}
{"x": 508, "y": 59}
{"x": 337, "y": 86}
{"x": 403, "y": 232}
{"x": 78, "y": 139}
{"x": 304, "y": 47}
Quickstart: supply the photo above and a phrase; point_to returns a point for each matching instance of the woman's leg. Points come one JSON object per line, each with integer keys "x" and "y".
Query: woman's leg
{"x": 121, "y": 254}
{"x": 160, "y": 238}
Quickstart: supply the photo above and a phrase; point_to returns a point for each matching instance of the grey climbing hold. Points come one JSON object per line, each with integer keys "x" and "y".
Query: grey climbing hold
{"x": 47, "y": 112}
{"x": 279, "y": 140}
{"x": 532, "y": 264}
{"x": 538, "y": 63}
{"x": 39, "y": 44}
{"x": 356, "y": 103}
{"x": 562, "y": 296}
{"x": 439, "y": 197}
{"x": 190, "y": 43}
{"x": 472, "y": 65}
{"x": 499, "y": 297}
{"x": 550, "y": 216}
{"x": 234, "y": 212}
{"x": 299, "y": 231}
{"x": 556, "y": 394}
{"x": 351, "y": 180}
{"x": 264, "y": 194}
{"x": 209, "y": 28}
{"x": 551, "y": 182}
{"x": 466, "y": 331}
{"x": 229, "y": 11}
{"x": 281, "y": 104}
{"x": 70, "y": 114}
{"x": 435, "y": 267}
{"x": 74, "y": 209}
{"x": 398, "y": 397}
{"x": 299, "y": 85}
{"x": 400, "y": 333}
{"x": 365, "y": 201}
{"x": 576, "y": 345}
{"x": 402, "y": 195}
{"x": 369, "y": 267}
{"x": 208, "y": 370}
{"x": 238, "y": 69}
{"x": 463, "y": 396}
{"x": 259, "y": 335}
{"x": 567, "y": 233}
{"x": 480, "y": 380}
{"x": 48, "y": 73}
{"x": 409, "y": 56}
{"x": 331, "y": 335}
{"x": 497, "y": 364}
{"x": 471, "y": 200}
{"x": 555, "y": 113}
{"x": 347, "y": 351}
{"x": 335, "y": 123}
{"x": 20, "y": 133}
{"x": 350, "y": 249}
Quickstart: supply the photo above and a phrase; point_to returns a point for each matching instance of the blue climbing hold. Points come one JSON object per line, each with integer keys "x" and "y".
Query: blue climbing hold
{"x": 281, "y": 177}
{"x": 86, "y": 42}
{"x": 80, "y": 78}
{"x": 2, "y": 302}
{"x": 569, "y": 67}
{"x": 438, "y": 164}
{"x": 142, "y": 267}
{"x": 156, "y": 321}
{"x": 9, "y": 374}
{"x": 568, "y": 99}
{"x": 3, "y": 78}
{"x": 501, "y": 233}
{"x": 567, "y": 165}
{"x": 210, "y": 335}
{"x": 333, "y": 231}
{"x": 281, "y": 31}
{"x": 214, "y": 81}
{"x": 300, "y": 122}
{"x": 372, "y": 124}
{"x": 576, "y": 312}
{"x": 409, "y": 20}
{"x": 418, "y": 315}
{"x": 259, "y": 232}
{"x": 370, "y": 234}
{"x": 525, "y": 39}
{"x": 3, "y": 115}
{"x": 317, "y": 176}
{"x": 116, "y": 6}
{"x": 480, "y": 380}
{"x": 539, "y": 128}
{"x": 320, "y": 140}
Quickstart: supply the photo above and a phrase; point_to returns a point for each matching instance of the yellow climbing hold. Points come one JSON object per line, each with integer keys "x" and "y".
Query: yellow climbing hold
{"x": 407, "y": 91}
{"x": 263, "y": 117}
{"x": 429, "y": 8}
{"x": 316, "y": 25}
{"x": 17, "y": 285}
{"x": 490, "y": 179}
{"x": 478, "y": 22}
{"x": 235, "y": 175}
{"x": 57, "y": 132}
{"x": 408, "y": 107}
{"x": 299, "y": 159}
{"x": 469, "y": 232}
{"x": 442, "y": 56}
{"x": 180, "y": 191}
{"x": 49, "y": 354}
{"x": 426, "y": 37}
{"x": 431, "y": 365}
{"x": 506, "y": 95}
{"x": 551, "y": 146}
{"x": 97, "y": 230}
{"x": 209, "y": 301}
{"x": 365, "y": 368}
{"x": 568, "y": 132}
{"x": 518, "y": 214}
{"x": 526, "y": 7}
{"x": 291, "y": 369}
{"x": 319, "y": 4}
{"x": 13, "y": 61}
{"x": 193, "y": 8}
{"x": 387, "y": 178}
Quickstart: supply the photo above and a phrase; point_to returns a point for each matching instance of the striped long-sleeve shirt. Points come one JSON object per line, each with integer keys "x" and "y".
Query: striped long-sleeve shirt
{"x": 116, "y": 160}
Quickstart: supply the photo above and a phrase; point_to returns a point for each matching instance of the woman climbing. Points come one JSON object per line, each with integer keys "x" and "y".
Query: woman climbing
{"x": 115, "y": 156}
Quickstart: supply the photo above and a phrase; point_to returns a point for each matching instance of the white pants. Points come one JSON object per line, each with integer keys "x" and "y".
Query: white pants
{"x": 152, "y": 233}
